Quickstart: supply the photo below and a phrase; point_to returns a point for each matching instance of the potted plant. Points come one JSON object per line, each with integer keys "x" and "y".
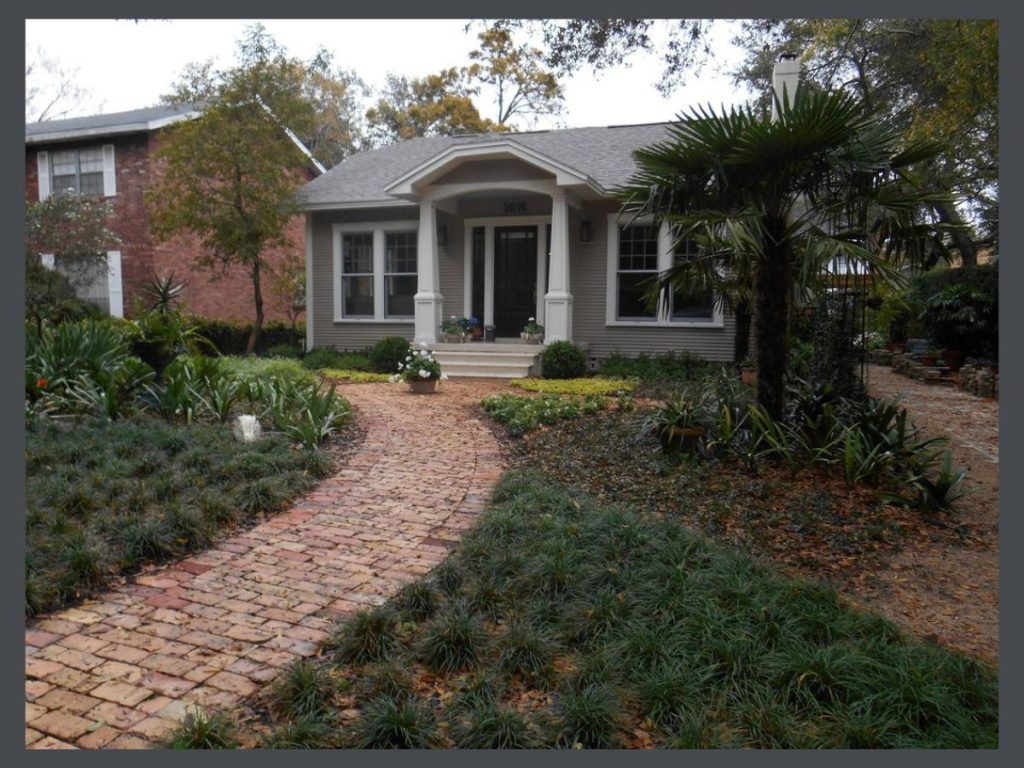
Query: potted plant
{"x": 533, "y": 332}
{"x": 474, "y": 330}
{"x": 675, "y": 425}
{"x": 420, "y": 371}
{"x": 748, "y": 372}
{"x": 452, "y": 330}
{"x": 930, "y": 356}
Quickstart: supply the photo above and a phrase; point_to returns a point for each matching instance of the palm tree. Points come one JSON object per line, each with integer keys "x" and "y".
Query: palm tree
{"x": 770, "y": 205}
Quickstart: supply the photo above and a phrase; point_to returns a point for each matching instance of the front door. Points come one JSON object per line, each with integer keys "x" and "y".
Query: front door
{"x": 515, "y": 279}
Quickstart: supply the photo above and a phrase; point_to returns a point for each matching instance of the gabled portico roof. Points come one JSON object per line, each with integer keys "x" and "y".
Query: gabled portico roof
{"x": 596, "y": 159}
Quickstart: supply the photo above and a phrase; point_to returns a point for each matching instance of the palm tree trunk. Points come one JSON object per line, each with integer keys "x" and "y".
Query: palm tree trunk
{"x": 741, "y": 339}
{"x": 772, "y": 289}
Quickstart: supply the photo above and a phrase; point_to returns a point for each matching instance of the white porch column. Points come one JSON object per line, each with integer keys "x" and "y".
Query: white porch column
{"x": 428, "y": 283}
{"x": 558, "y": 300}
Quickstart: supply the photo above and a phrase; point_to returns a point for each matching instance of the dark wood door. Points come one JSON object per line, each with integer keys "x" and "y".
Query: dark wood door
{"x": 515, "y": 279}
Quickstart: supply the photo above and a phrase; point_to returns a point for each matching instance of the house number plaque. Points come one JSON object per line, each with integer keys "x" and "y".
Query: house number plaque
{"x": 515, "y": 206}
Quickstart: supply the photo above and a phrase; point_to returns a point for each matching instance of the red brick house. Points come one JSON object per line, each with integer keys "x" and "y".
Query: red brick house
{"x": 113, "y": 155}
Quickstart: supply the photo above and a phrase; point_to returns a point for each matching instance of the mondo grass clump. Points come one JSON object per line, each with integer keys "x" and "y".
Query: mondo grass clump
{"x": 105, "y": 498}
{"x": 200, "y": 729}
{"x": 619, "y": 629}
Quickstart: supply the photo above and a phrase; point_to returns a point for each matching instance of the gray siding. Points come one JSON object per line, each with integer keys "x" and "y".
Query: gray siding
{"x": 588, "y": 281}
{"x": 588, "y": 277}
{"x": 493, "y": 170}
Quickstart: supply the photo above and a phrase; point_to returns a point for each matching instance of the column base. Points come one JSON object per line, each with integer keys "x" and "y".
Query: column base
{"x": 557, "y": 317}
{"x": 428, "y": 317}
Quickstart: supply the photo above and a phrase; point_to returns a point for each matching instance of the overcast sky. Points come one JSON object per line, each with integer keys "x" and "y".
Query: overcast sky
{"x": 124, "y": 65}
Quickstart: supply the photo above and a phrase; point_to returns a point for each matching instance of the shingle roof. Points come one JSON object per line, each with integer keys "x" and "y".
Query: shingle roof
{"x": 603, "y": 154}
{"x": 147, "y": 119}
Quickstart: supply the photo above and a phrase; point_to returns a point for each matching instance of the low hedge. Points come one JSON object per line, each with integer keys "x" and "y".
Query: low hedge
{"x": 358, "y": 377}
{"x": 582, "y": 387}
{"x": 231, "y": 338}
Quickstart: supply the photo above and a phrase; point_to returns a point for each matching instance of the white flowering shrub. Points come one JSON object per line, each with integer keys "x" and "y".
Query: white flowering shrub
{"x": 419, "y": 365}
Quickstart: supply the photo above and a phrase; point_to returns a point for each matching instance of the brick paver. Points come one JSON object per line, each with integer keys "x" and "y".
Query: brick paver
{"x": 120, "y": 670}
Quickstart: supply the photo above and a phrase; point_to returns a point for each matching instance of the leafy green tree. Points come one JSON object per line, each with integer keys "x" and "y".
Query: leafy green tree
{"x": 232, "y": 173}
{"x": 436, "y": 105}
{"x": 446, "y": 103}
{"x": 774, "y": 203}
{"x": 523, "y": 89}
{"x": 938, "y": 79}
{"x": 73, "y": 229}
{"x": 337, "y": 95}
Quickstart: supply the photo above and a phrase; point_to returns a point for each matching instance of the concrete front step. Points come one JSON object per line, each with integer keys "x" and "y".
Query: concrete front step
{"x": 497, "y": 361}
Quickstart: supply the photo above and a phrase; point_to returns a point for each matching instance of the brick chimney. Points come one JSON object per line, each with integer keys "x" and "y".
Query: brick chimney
{"x": 785, "y": 79}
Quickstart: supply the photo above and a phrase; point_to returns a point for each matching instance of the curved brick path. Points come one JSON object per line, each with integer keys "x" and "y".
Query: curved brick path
{"x": 120, "y": 671}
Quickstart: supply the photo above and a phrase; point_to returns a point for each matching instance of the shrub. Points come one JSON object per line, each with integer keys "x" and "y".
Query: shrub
{"x": 257, "y": 368}
{"x": 563, "y": 360}
{"x": 201, "y": 730}
{"x": 390, "y": 724}
{"x": 523, "y": 414}
{"x": 232, "y": 338}
{"x": 668, "y": 367}
{"x": 328, "y": 357}
{"x": 387, "y": 353}
{"x": 287, "y": 351}
{"x": 368, "y": 636}
{"x": 453, "y": 640}
{"x": 303, "y": 692}
{"x": 582, "y": 387}
{"x": 493, "y": 727}
{"x": 356, "y": 377}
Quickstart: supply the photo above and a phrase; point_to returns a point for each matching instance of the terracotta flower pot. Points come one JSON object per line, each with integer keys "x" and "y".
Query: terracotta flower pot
{"x": 681, "y": 438}
{"x": 425, "y": 387}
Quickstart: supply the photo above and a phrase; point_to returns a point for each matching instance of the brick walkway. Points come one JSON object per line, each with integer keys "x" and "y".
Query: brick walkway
{"x": 120, "y": 671}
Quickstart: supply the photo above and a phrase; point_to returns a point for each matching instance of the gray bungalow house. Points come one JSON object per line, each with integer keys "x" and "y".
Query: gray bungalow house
{"x": 503, "y": 228}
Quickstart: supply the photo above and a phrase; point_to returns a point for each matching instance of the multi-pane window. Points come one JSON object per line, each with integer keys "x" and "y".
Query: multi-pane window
{"x": 399, "y": 273}
{"x": 357, "y": 274}
{"x": 637, "y": 266}
{"x": 691, "y": 306}
{"x": 78, "y": 170}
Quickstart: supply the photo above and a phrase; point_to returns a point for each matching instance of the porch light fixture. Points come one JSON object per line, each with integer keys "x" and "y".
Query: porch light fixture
{"x": 442, "y": 235}
{"x": 586, "y": 231}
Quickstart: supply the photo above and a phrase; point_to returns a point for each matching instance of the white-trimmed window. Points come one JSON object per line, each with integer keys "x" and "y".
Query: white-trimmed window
{"x": 83, "y": 170}
{"x": 636, "y": 269}
{"x": 375, "y": 271}
{"x": 357, "y": 274}
{"x": 637, "y": 253}
{"x": 399, "y": 273}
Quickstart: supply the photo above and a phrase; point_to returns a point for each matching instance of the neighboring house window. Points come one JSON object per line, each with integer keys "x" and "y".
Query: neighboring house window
{"x": 78, "y": 170}
{"x": 637, "y": 253}
{"x": 375, "y": 275}
{"x": 357, "y": 275}
{"x": 97, "y": 282}
{"x": 638, "y": 265}
{"x": 84, "y": 170}
{"x": 399, "y": 273}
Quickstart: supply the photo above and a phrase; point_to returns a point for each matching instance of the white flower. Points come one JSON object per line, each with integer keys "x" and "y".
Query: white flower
{"x": 401, "y": 366}
{"x": 424, "y": 344}
{"x": 444, "y": 377}
{"x": 532, "y": 319}
{"x": 423, "y": 353}
{"x": 424, "y": 374}
{"x": 408, "y": 358}
{"x": 394, "y": 378}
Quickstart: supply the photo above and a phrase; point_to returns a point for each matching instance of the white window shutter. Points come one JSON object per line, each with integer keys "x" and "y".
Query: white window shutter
{"x": 114, "y": 289}
{"x": 109, "y": 177}
{"x": 48, "y": 260}
{"x": 43, "y": 163}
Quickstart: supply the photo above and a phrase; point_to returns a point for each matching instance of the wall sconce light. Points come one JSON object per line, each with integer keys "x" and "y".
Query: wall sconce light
{"x": 586, "y": 231}
{"x": 442, "y": 235}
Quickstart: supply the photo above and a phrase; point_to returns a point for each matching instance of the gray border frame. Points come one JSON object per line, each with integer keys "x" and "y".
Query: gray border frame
{"x": 13, "y": 286}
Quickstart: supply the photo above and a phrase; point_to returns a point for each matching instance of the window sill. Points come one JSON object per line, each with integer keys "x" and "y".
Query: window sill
{"x": 382, "y": 320}
{"x": 661, "y": 324}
